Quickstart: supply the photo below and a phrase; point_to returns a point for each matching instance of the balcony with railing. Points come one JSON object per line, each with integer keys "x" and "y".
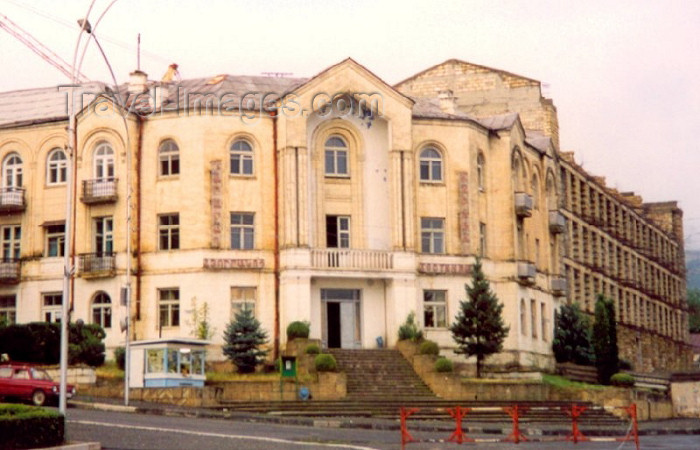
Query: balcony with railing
{"x": 523, "y": 204}
{"x": 99, "y": 191}
{"x": 351, "y": 259}
{"x": 557, "y": 222}
{"x": 10, "y": 270}
{"x": 96, "y": 265}
{"x": 559, "y": 286}
{"x": 12, "y": 200}
{"x": 526, "y": 272}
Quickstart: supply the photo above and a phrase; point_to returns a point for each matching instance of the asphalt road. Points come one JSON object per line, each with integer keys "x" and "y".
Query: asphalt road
{"x": 139, "y": 431}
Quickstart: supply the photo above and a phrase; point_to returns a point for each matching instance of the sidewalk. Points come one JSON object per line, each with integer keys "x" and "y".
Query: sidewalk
{"x": 654, "y": 427}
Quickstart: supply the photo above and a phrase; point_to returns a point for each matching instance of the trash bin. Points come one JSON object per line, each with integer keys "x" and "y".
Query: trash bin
{"x": 304, "y": 393}
{"x": 380, "y": 342}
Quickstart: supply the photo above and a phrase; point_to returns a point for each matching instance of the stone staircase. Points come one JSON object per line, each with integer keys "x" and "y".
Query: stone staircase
{"x": 380, "y": 375}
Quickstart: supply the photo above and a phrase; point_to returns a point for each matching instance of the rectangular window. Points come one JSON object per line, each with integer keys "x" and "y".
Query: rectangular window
{"x": 51, "y": 306}
{"x": 11, "y": 236}
{"x": 482, "y": 239}
{"x": 104, "y": 235}
{"x": 543, "y": 319}
{"x": 169, "y": 231}
{"x": 242, "y": 298}
{"x": 432, "y": 232}
{"x": 8, "y": 309}
{"x": 434, "y": 309}
{"x": 242, "y": 231}
{"x": 55, "y": 240}
{"x": 338, "y": 231}
{"x": 533, "y": 317}
{"x": 169, "y": 307}
{"x": 336, "y": 162}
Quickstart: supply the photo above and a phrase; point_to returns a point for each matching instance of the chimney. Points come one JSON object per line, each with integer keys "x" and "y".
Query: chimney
{"x": 137, "y": 82}
{"x": 448, "y": 101}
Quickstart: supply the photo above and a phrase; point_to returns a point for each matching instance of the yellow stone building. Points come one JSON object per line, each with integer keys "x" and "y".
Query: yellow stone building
{"x": 338, "y": 199}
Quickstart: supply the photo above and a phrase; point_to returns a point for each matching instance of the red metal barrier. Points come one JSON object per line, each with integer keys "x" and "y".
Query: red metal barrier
{"x": 574, "y": 413}
{"x": 405, "y": 435}
{"x": 514, "y": 412}
{"x": 458, "y": 414}
{"x": 633, "y": 434}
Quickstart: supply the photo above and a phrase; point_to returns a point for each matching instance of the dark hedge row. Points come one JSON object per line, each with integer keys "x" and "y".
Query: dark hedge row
{"x": 23, "y": 426}
{"x": 39, "y": 342}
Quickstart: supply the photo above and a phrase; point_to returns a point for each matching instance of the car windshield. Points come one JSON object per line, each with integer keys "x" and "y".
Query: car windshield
{"x": 39, "y": 374}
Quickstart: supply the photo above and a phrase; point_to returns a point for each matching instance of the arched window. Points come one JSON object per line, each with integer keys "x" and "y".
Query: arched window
{"x": 430, "y": 165}
{"x": 518, "y": 174}
{"x": 12, "y": 171}
{"x": 241, "y": 158}
{"x": 535, "y": 185}
{"x": 102, "y": 310}
{"x": 481, "y": 172}
{"x": 56, "y": 167}
{"x": 169, "y": 158}
{"x": 336, "y": 157}
{"x": 104, "y": 162}
{"x": 551, "y": 194}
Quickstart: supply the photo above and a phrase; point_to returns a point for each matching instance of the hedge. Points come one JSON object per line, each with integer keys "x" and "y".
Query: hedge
{"x": 325, "y": 363}
{"x": 312, "y": 349}
{"x": 23, "y": 426}
{"x": 443, "y": 365}
{"x": 429, "y": 348}
{"x": 298, "y": 330}
{"x": 622, "y": 379}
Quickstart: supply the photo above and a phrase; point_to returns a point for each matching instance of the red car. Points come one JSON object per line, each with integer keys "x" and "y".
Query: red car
{"x": 25, "y": 382}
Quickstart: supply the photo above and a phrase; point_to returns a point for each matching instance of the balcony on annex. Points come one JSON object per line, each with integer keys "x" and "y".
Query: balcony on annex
{"x": 10, "y": 271}
{"x": 351, "y": 259}
{"x": 101, "y": 190}
{"x": 96, "y": 265}
{"x": 559, "y": 286}
{"x": 523, "y": 204}
{"x": 557, "y": 222}
{"x": 12, "y": 200}
{"x": 526, "y": 272}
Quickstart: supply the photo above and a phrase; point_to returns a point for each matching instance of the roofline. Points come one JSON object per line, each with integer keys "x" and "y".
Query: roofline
{"x": 29, "y": 123}
{"x": 459, "y": 61}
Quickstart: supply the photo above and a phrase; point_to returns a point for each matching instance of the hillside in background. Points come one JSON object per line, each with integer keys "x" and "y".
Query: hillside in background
{"x": 692, "y": 265}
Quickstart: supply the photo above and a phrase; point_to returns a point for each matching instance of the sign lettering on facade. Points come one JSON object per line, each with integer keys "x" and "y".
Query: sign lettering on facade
{"x": 229, "y": 264}
{"x": 442, "y": 268}
{"x": 216, "y": 204}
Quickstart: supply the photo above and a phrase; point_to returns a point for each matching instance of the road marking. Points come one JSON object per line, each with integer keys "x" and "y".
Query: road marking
{"x": 220, "y": 435}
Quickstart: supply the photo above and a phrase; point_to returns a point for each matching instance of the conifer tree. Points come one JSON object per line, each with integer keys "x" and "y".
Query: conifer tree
{"x": 605, "y": 340}
{"x": 572, "y": 336}
{"x": 478, "y": 329}
{"x": 243, "y": 338}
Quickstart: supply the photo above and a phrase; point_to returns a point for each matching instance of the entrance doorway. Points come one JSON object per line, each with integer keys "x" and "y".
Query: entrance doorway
{"x": 341, "y": 318}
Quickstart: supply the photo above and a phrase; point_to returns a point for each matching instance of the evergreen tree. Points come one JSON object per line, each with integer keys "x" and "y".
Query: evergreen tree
{"x": 478, "y": 329}
{"x": 243, "y": 338}
{"x": 572, "y": 336}
{"x": 605, "y": 340}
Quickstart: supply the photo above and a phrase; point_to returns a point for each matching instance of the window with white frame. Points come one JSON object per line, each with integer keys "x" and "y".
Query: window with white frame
{"x": 242, "y": 231}
{"x": 338, "y": 231}
{"x": 481, "y": 172}
{"x": 11, "y": 236}
{"x": 169, "y": 231}
{"x": 104, "y": 235}
{"x": 434, "y": 308}
{"x": 242, "y": 299}
{"x": 102, "y": 310}
{"x": 169, "y": 307}
{"x": 12, "y": 171}
{"x": 51, "y": 306}
{"x": 336, "y": 157}
{"x": 168, "y": 158}
{"x": 56, "y": 167}
{"x": 430, "y": 165}
{"x": 55, "y": 240}
{"x": 241, "y": 157}
{"x": 8, "y": 309}
{"x": 104, "y": 162}
{"x": 432, "y": 233}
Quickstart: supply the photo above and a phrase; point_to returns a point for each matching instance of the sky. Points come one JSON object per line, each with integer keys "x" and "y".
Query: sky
{"x": 623, "y": 74}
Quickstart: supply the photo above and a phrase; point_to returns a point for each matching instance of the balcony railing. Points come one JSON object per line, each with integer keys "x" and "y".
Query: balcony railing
{"x": 523, "y": 204}
{"x": 99, "y": 191}
{"x": 12, "y": 199}
{"x": 559, "y": 286}
{"x": 343, "y": 258}
{"x": 557, "y": 222}
{"x": 526, "y": 272}
{"x": 10, "y": 271}
{"x": 96, "y": 264}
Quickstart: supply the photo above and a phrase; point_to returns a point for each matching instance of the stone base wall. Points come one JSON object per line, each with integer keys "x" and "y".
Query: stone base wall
{"x": 686, "y": 398}
{"x": 76, "y": 375}
{"x": 652, "y": 352}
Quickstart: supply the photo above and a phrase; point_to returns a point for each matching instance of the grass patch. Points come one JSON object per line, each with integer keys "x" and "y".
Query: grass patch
{"x": 109, "y": 371}
{"x": 498, "y": 380}
{"x": 560, "y": 382}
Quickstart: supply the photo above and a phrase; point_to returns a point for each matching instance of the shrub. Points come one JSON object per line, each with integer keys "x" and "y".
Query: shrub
{"x": 23, "y": 426}
{"x": 312, "y": 349}
{"x": 120, "y": 357}
{"x": 298, "y": 330}
{"x": 429, "y": 348}
{"x": 409, "y": 330}
{"x": 325, "y": 362}
{"x": 622, "y": 380}
{"x": 443, "y": 365}
{"x": 86, "y": 344}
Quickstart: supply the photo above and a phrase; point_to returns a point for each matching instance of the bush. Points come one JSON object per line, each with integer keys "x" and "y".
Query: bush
{"x": 622, "y": 380}
{"x": 409, "y": 330}
{"x": 298, "y": 330}
{"x": 23, "y": 426}
{"x": 443, "y": 365}
{"x": 86, "y": 345}
{"x": 312, "y": 349}
{"x": 325, "y": 362}
{"x": 429, "y": 348}
{"x": 120, "y": 357}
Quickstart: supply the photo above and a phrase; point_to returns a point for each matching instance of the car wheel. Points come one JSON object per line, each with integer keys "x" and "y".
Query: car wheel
{"x": 39, "y": 398}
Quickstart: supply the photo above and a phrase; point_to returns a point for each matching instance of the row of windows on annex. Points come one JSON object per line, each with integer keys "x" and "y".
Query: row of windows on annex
{"x": 241, "y": 158}
{"x": 169, "y": 307}
{"x": 242, "y": 231}
{"x": 51, "y": 308}
{"x": 431, "y": 167}
{"x": 520, "y": 179}
{"x": 534, "y": 320}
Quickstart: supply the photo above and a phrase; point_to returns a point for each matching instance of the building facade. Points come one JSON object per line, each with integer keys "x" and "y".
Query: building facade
{"x": 338, "y": 199}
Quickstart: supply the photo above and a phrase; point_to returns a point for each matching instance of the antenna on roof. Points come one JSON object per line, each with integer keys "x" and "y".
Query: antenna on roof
{"x": 277, "y": 74}
{"x": 138, "y": 52}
